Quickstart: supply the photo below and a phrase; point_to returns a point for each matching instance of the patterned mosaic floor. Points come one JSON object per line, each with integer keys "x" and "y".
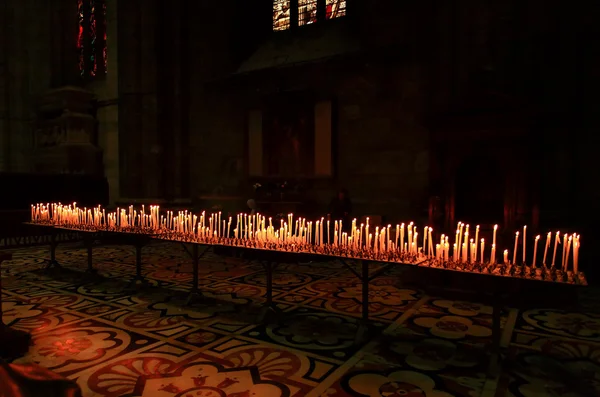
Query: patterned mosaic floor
{"x": 116, "y": 342}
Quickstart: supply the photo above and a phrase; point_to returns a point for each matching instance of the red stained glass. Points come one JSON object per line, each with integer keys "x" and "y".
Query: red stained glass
{"x": 335, "y": 8}
{"x": 91, "y": 40}
{"x": 80, "y": 38}
{"x": 105, "y": 49}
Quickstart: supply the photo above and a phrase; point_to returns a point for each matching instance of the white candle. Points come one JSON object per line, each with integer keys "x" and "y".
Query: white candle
{"x": 548, "y": 238}
{"x": 537, "y": 238}
{"x": 430, "y": 242}
{"x": 576, "y": 245}
{"x": 494, "y": 239}
{"x": 401, "y": 237}
{"x": 524, "y": 243}
{"x": 476, "y": 239}
{"x": 505, "y": 257}
{"x": 564, "y": 251}
{"x": 567, "y": 257}
{"x": 482, "y": 247}
{"x": 556, "y": 242}
{"x": 515, "y": 251}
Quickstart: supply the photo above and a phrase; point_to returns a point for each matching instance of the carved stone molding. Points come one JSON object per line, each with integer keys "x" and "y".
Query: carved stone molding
{"x": 65, "y": 133}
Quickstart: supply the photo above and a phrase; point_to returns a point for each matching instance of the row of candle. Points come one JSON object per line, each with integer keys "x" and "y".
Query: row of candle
{"x": 468, "y": 252}
{"x": 382, "y": 242}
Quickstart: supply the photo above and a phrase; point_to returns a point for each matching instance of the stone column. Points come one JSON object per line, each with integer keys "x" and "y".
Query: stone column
{"x": 138, "y": 113}
{"x": 107, "y": 92}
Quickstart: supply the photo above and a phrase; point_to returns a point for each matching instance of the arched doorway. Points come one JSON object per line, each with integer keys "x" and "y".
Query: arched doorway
{"x": 479, "y": 191}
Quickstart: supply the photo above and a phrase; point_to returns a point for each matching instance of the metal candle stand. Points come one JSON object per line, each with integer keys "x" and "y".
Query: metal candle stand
{"x": 271, "y": 254}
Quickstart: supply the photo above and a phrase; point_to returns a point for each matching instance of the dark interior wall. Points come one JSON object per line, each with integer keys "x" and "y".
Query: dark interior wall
{"x": 182, "y": 130}
{"x": 35, "y": 55}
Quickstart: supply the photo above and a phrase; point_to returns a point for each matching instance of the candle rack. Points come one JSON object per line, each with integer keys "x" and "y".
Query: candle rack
{"x": 362, "y": 242}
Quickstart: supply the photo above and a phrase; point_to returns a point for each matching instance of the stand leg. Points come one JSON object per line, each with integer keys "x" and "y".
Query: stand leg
{"x": 195, "y": 292}
{"x": 90, "y": 272}
{"x": 89, "y": 242}
{"x": 138, "y": 266}
{"x": 269, "y": 307}
{"x": 53, "y": 263}
{"x": 362, "y": 331}
{"x": 494, "y": 366}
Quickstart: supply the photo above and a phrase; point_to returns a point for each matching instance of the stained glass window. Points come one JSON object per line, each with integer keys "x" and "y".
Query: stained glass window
{"x": 291, "y": 13}
{"x": 281, "y": 14}
{"x": 91, "y": 40}
{"x": 307, "y": 12}
{"x": 335, "y": 9}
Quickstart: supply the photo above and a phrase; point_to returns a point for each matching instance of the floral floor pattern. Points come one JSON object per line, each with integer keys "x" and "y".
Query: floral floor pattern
{"x": 120, "y": 341}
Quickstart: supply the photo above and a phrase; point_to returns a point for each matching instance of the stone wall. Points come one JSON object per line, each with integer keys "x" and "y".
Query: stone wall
{"x": 24, "y": 74}
{"x": 172, "y": 115}
{"x": 37, "y": 52}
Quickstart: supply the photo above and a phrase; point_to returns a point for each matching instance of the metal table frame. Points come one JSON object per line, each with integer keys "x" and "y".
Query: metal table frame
{"x": 269, "y": 260}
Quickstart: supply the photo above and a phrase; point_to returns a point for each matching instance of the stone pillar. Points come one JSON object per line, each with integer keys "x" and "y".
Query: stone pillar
{"x": 106, "y": 91}
{"x": 65, "y": 138}
{"x": 139, "y": 165}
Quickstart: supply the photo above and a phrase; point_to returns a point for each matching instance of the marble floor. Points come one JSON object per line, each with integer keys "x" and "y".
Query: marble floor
{"x": 148, "y": 342}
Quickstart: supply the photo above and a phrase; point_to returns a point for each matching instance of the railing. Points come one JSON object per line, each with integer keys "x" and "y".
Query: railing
{"x": 33, "y": 240}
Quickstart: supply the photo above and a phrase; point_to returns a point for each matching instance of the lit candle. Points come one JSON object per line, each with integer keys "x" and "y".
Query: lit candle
{"x": 494, "y": 239}
{"x": 401, "y": 237}
{"x": 537, "y": 238}
{"x": 456, "y": 243}
{"x": 415, "y": 243}
{"x": 430, "y": 242}
{"x": 576, "y": 245}
{"x": 321, "y": 232}
{"x": 515, "y": 251}
{"x": 564, "y": 251}
{"x": 524, "y": 243}
{"x": 556, "y": 242}
{"x": 566, "y": 267}
{"x": 482, "y": 247}
{"x": 476, "y": 239}
{"x": 506, "y": 257}
{"x": 548, "y": 238}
